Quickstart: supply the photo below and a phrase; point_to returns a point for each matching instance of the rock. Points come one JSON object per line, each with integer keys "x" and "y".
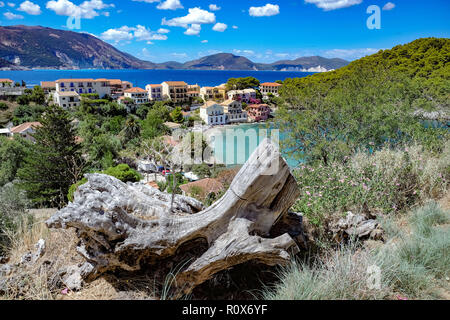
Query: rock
{"x": 129, "y": 227}
{"x": 73, "y": 279}
{"x": 31, "y": 258}
{"x": 356, "y": 226}
{"x": 5, "y": 270}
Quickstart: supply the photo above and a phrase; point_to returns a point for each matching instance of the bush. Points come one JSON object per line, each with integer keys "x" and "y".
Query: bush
{"x": 387, "y": 181}
{"x": 3, "y": 106}
{"x": 13, "y": 205}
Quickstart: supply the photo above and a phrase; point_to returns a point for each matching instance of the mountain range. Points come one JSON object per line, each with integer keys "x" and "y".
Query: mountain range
{"x": 34, "y": 47}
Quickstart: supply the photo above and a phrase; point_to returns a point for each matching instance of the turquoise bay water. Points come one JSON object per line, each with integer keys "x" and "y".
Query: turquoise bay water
{"x": 233, "y": 145}
{"x": 140, "y": 78}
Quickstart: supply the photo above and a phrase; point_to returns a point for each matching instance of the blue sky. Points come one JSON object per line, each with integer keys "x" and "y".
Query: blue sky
{"x": 262, "y": 30}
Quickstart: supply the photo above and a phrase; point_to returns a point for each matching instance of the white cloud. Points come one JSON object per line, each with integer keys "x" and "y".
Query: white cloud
{"x": 30, "y": 8}
{"x": 179, "y": 55}
{"x": 214, "y": 7}
{"x": 119, "y": 34}
{"x": 245, "y": 52}
{"x": 265, "y": 11}
{"x": 193, "y": 30}
{"x": 12, "y": 16}
{"x": 235, "y": 27}
{"x": 192, "y": 21}
{"x": 195, "y": 16}
{"x": 147, "y": 1}
{"x": 220, "y": 27}
{"x": 140, "y": 33}
{"x": 170, "y": 5}
{"x": 87, "y": 10}
{"x": 389, "y": 6}
{"x": 11, "y": 4}
{"x": 162, "y": 30}
{"x": 333, "y": 4}
{"x": 204, "y": 41}
{"x": 2, "y": 4}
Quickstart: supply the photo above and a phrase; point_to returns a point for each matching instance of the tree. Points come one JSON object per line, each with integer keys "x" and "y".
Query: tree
{"x": 38, "y": 95}
{"x": 153, "y": 126}
{"x": 177, "y": 115}
{"x": 131, "y": 130}
{"x": 242, "y": 83}
{"x": 54, "y": 162}
{"x": 12, "y": 154}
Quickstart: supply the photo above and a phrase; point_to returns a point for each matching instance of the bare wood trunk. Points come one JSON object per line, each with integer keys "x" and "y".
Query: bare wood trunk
{"x": 122, "y": 226}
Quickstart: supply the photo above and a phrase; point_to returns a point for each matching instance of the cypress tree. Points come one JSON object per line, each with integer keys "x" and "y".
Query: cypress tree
{"x": 55, "y": 161}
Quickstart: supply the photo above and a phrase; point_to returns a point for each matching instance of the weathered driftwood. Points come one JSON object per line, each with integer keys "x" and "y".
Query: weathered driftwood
{"x": 130, "y": 226}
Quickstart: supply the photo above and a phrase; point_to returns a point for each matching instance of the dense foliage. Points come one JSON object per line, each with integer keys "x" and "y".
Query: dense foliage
{"x": 370, "y": 102}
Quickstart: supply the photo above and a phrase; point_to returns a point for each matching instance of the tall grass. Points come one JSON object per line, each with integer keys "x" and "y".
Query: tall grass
{"x": 412, "y": 264}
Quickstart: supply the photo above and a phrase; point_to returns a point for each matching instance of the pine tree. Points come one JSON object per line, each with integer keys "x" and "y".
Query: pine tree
{"x": 177, "y": 115}
{"x": 55, "y": 161}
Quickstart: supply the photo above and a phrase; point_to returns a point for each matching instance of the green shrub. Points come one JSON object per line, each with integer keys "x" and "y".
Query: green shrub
{"x": 387, "y": 181}
{"x": 3, "y": 106}
{"x": 123, "y": 172}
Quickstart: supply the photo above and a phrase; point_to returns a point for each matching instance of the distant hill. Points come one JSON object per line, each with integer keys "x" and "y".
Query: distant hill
{"x": 39, "y": 47}
{"x": 221, "y": 61}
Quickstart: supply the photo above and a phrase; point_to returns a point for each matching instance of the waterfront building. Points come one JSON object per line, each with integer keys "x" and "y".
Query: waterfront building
{"x": 6, "y": 83}
{"x": 67, "y": 99}
{"x": 233, "y": 109}
{"x": 175, "y": 91}
{"x": 258, "y": 112}
{"x": 155, "y": 92}
{"x": 242, "y": 95}
{"x": 193, "y": 91}
{"x": 212, "y": 113}
{"x": 118, "y": 87}
{"x": 270, "y": 87}
{"x": 212, "y": 93}
{"x": 80, "y": 86}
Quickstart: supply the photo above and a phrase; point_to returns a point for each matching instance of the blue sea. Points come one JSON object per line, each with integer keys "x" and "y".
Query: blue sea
{"x": 140, "y": 78}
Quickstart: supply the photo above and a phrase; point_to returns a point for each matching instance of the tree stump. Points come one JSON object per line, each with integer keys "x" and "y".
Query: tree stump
{"x": 130, "y": 226}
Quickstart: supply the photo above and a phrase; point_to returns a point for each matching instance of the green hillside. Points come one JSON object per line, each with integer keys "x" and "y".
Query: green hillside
{"x": 425, "y": 61}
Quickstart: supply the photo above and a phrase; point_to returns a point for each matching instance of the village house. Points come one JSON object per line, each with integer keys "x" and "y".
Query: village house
{"x": 6, "y": 83}
{"x": 6, "y": 132}
{"x": 270, "y": 87}
{"x": 175, "y": 91}
{"x": 242, "y": 95}
{"x": 99, "y": 86}
{"x": 136, "y": 96}
{"x": 212, "y": 93}
{"x": 193, "y": 91}
{"x": 25, "y": 130}
{"x": 233, "y": 109}
{"x": 212, "y": 113}
{"x": 258, "y": 112}
{"x": 118, "y": 87}
{"x": 67, "y": 99}
{"x": 48, "y": 86}
{"x": 154, "y": 92}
